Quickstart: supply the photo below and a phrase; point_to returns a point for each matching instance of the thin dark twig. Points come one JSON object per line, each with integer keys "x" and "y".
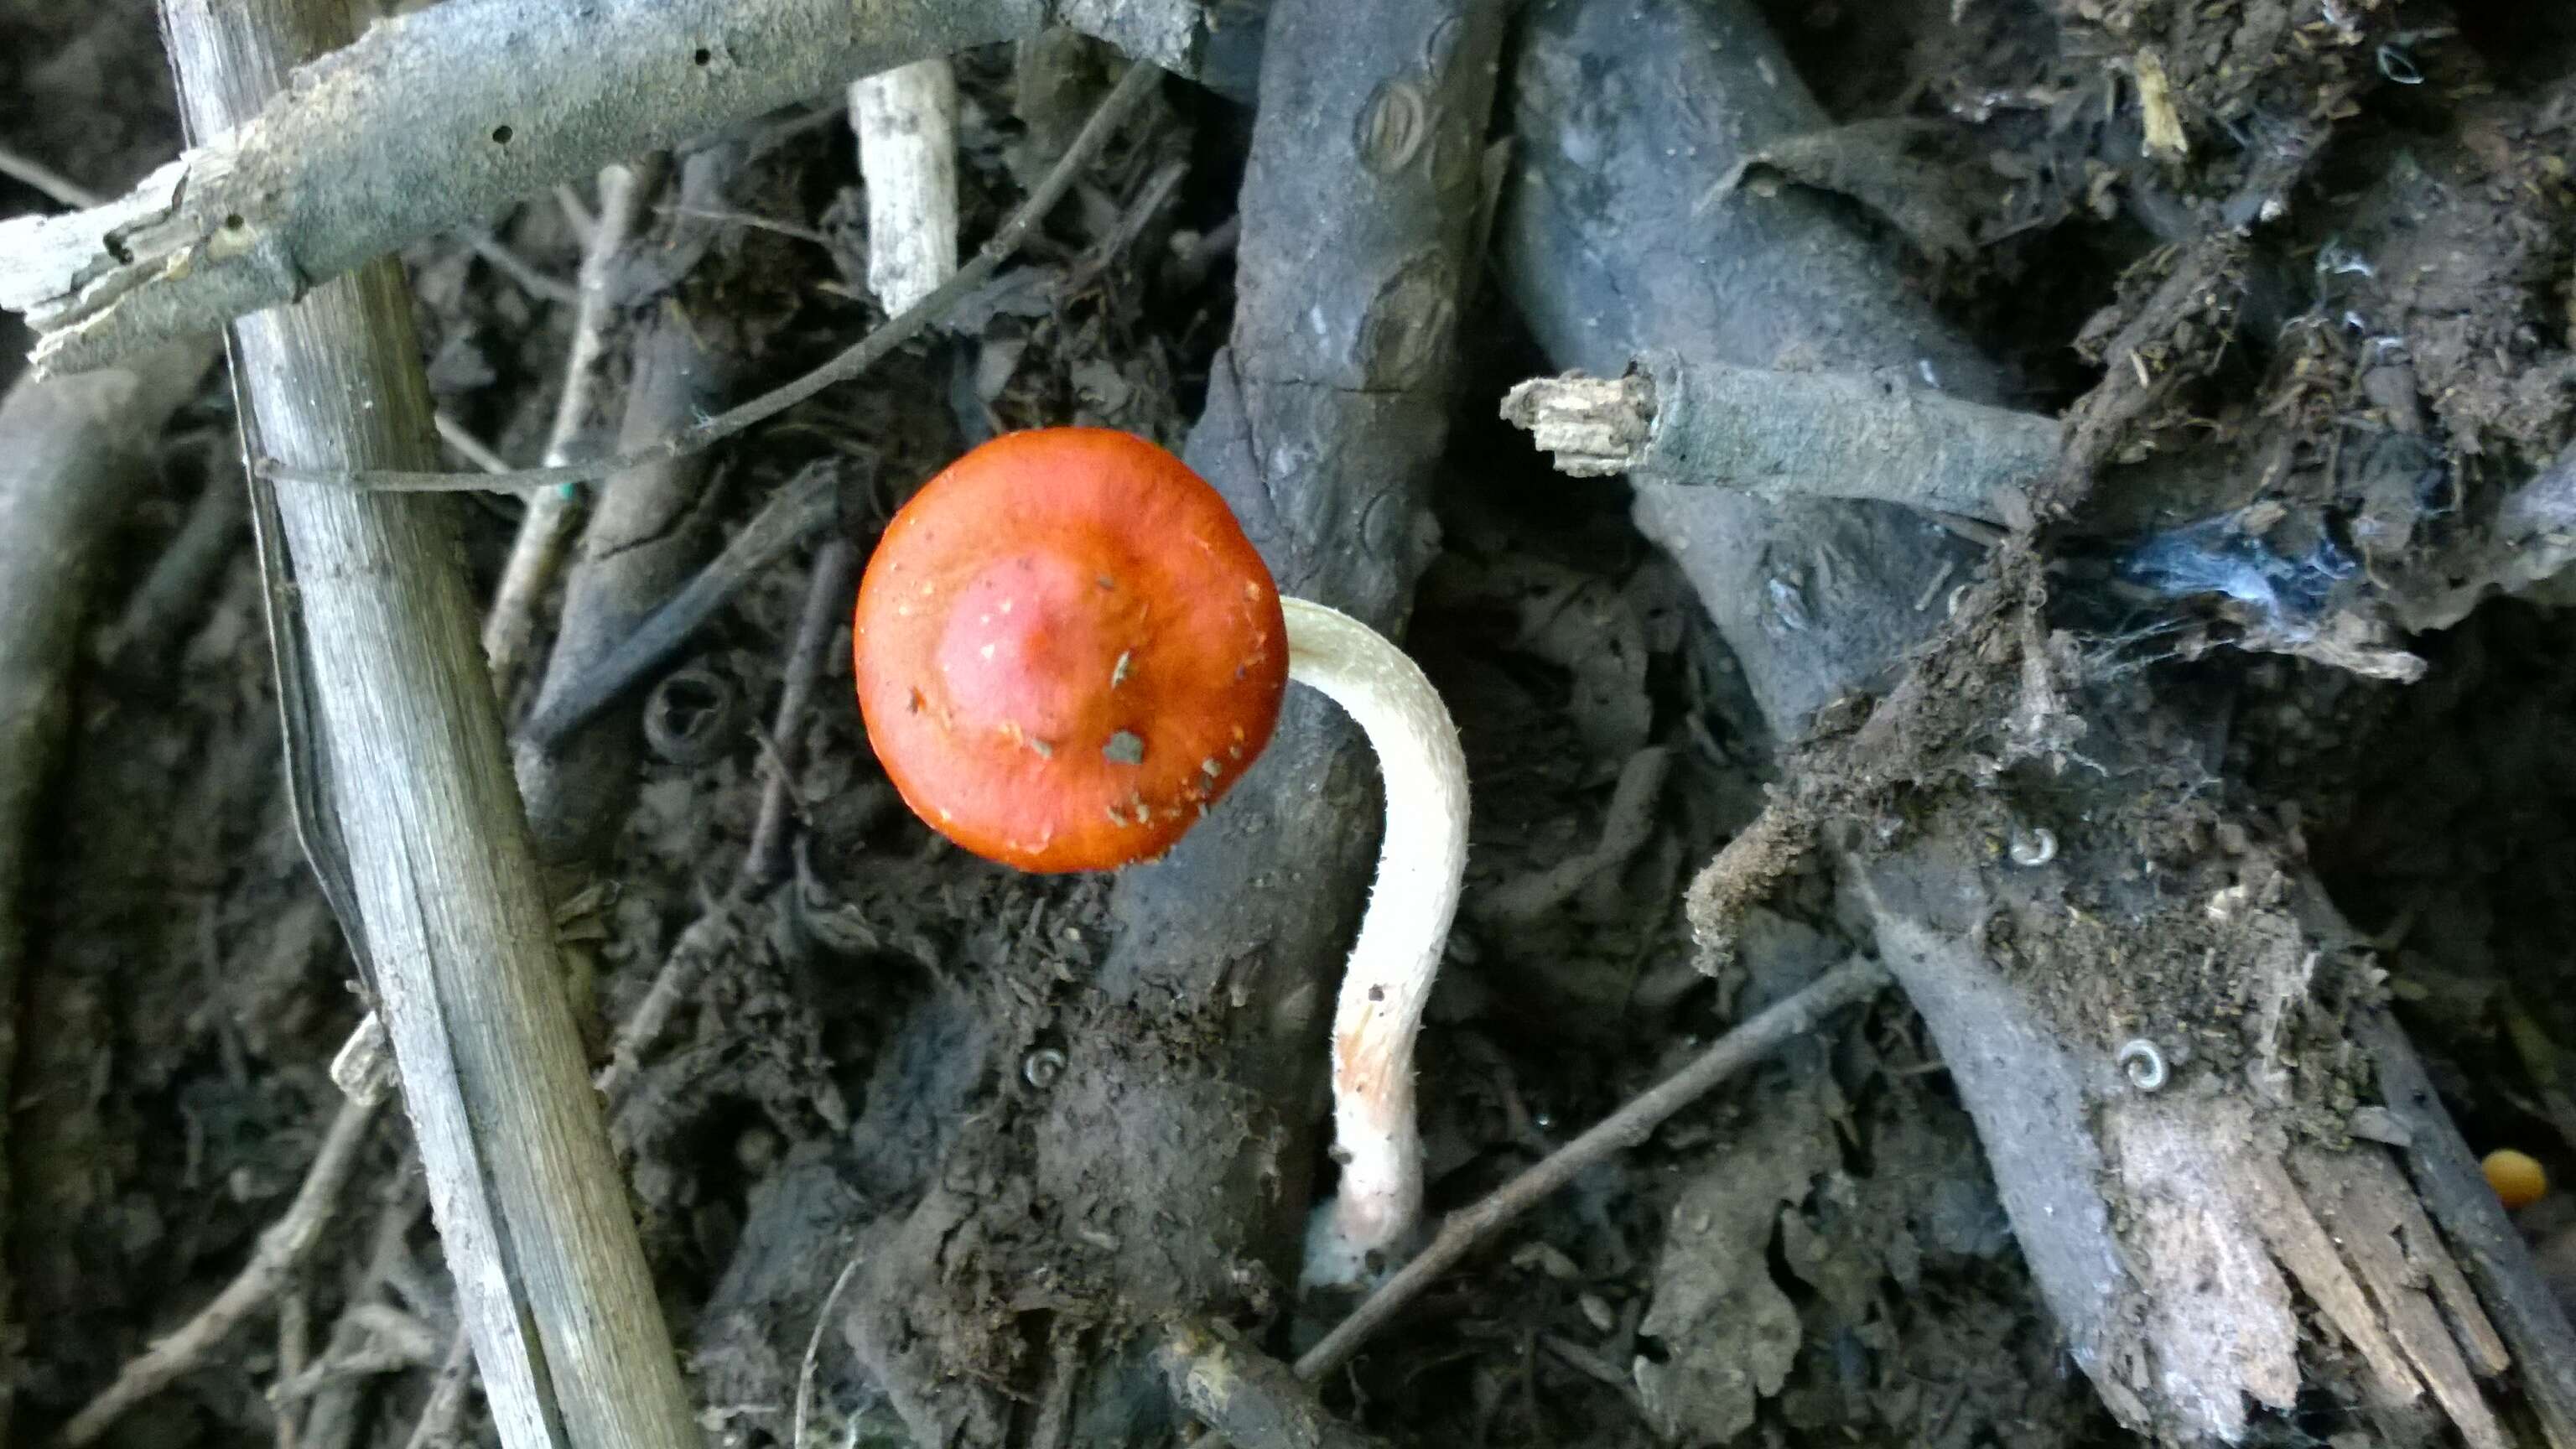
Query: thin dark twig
{"x": 827, "y": 604}
{"x": 281, "y": 1250}
{"x": 897, "y": 330}
{"x": 1460, "y": 1234}
{"x": 798, "y": 509}
{"x": 1625, "y": 1128}
{"x": 690, "y": 956}
{"x": 546, "y": 529}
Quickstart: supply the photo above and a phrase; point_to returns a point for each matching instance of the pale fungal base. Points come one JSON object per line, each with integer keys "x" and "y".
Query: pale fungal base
{"x": 1401, "y": 939}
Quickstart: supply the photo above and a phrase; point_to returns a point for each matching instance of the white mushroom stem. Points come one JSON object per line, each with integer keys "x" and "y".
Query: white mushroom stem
{"x": 1401, "y": 939}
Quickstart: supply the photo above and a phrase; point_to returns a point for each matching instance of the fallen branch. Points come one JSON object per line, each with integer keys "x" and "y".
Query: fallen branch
{"x": 449, "y": 114}
{"x": 428, "y": 852}
{"x": 1775, "y": 434}
{"x": 70, "y": 450}
{"x": 870, "y": 350}
{"x": 281, "y": 1251}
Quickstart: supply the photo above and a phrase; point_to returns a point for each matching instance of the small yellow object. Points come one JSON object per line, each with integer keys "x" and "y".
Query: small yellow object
{"x": 2516, "y": 1177}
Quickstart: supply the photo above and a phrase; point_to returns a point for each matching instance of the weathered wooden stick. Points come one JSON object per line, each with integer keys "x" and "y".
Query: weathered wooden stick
{"x": 443, "y": 884}
{"x": 451, "y": 113}
{"x": 68, "y": 448}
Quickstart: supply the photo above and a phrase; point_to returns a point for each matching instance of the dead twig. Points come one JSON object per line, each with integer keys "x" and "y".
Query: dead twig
{"x": 896, "y": 331}
{"x": 906, "y": 120}
{"x": 1748, "y": 1043}
{"x": 164, "y": 609}
{"x": 28, "y": 171}
{"x": 281, "y": 1251}
{"x": 689, "y": 959}
{"x": 537, "y": 553}
{"x": 827, "y": 607}
{"x": 294, "y": 1352}
{"x": 469, "y": 447}
{"x": 647, "y": 531}
{"x": 334, "y": 1416}
{"x": 516, "y": 267}
{"x": 1676, "y": 419}
{"x": 1767, "y": 1030}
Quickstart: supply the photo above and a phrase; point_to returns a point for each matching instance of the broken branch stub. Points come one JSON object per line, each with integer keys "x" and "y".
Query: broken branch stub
{"x": 906, "y": 120}
{"x": 1778, "y": 434}
{"x": 452, "y": 113}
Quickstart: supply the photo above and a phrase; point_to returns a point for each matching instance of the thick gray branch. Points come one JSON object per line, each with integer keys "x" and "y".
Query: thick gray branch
{"x": 452, "y": 113}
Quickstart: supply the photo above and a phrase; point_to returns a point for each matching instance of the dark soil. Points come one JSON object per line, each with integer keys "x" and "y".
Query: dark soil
{"x": 1816, "y": 1254}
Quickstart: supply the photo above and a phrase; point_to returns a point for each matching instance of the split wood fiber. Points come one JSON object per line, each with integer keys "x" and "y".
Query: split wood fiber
{"x": 550, "y": 1275}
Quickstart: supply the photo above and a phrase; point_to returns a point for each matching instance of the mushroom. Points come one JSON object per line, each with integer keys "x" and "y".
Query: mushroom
{"x": 2517, "y": 1177}
{"x": 1067, "y": 652}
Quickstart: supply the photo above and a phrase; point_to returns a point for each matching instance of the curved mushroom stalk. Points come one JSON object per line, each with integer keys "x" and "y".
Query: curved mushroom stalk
{"x": 1066, "y": 651}
{"x": 1401, "y": 939}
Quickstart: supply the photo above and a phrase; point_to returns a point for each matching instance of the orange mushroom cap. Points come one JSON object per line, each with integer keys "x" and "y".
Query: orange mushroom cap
{"x": 1067, "y": 650}
{"x": 2517, "y": 1177}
